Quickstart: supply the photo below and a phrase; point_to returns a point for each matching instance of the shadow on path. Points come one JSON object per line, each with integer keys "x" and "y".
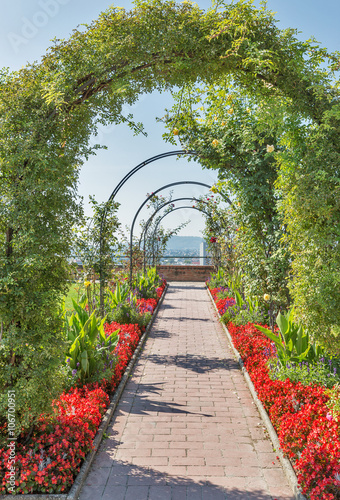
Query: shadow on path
{"x": 136, "y": 401}
{"x": 125, "y": 481}
{"x": 197, "y": 364}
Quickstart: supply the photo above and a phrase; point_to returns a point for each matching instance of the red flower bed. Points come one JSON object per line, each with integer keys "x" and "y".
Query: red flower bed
{"x": 53, "y": 457}
{"x": 147, "y": 305}
{"x": 160, "y": 289}
{"x": 298, "y": 414}
{"x": 58, "y": 445}
{"x": 129, "y": 336}
{"x": 222, "y": 304}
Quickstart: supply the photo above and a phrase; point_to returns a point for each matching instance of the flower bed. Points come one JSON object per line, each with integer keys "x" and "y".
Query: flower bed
{"x": 307, "y": 432}
{"x": 53, "y": 456}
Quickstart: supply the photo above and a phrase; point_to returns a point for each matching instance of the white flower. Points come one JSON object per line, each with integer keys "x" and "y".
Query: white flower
{"x": 270, "y": 149}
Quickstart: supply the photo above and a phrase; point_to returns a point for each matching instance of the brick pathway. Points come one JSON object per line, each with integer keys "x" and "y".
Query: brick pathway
{"x": 186, "y": 427}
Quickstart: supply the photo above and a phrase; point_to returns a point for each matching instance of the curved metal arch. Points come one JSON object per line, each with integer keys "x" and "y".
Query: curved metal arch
{"x": 144, "y": 203}
{"x": 148, "y": 222}
{"x": 112, "y": 197}
{"x": 170, "y": 212}
{"x": 168, "y": 203}
{"x": 146, "y": 162}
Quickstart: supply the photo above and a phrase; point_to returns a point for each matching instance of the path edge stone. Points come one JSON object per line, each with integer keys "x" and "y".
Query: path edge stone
{"x": 286, "y": 465}
{"x": 85, "y": 468}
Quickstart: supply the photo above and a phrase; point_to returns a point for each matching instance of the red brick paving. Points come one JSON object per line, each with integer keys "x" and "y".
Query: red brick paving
{"x": 186, "y": 427}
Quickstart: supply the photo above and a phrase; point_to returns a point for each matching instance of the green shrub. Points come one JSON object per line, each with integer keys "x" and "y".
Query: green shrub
{"x": 89, "y": 356}
{"x": 145, "y": 284}
{"x": 128, "y": 313}
{"x": 293, "y": 342}
{"x": 325, "y": 372}
{"x": 31, "y": 366}
{"x": 241, "y": 315}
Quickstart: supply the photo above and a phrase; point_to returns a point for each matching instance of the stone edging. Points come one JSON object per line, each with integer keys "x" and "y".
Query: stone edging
{"x": 85, "y": 468}
{"x": 286, "y": 465}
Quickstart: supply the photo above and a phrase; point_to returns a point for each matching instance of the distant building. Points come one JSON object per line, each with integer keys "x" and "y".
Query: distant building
{"x": 203, "y": 253}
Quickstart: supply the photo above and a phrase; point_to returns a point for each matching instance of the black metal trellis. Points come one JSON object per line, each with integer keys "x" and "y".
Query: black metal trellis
{"x": 144, "y": 203}
{"x": 170, "y": 212}
{"x": 112, "y": 197}
{"x": 146, "y": 227}
{"x": 148, "y": 222}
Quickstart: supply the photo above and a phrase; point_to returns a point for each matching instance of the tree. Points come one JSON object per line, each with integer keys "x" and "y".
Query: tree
{"x": 225, "y": 128}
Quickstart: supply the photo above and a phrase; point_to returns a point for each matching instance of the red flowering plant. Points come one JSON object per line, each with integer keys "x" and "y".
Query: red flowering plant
{"x": 49, "y": 460}
{"x": 299, "y": 414}
{"x": 129, "y": 336}
{"x": 308, "y": 432}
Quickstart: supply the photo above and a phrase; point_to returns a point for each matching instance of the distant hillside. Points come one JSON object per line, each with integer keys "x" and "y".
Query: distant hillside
{"x": 184, "y": 243}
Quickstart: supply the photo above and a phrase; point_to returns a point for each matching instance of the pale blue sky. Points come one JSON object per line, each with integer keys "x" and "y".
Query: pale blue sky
{"x": 26, "y": 28}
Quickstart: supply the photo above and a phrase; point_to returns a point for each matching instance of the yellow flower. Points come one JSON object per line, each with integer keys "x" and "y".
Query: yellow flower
{"x": 213, "y": 189}
{"x": 175, "y": 131}
{"x": 266, "y": 297}
{"x": 270, "y": 149}
{"x": 215, "y": 143}
{"x": 87, "y": 283}
{"x": 230, "y": 111}
{"x": 223, "y": 123}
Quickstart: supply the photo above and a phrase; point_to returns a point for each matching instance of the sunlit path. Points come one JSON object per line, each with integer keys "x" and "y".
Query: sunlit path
{"x": 186, "y": 427}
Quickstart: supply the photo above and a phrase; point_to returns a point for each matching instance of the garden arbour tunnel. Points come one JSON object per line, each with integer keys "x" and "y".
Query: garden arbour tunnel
{"x": 50, "y": 109}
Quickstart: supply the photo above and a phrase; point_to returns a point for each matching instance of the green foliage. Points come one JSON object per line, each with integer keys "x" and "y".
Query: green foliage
{"x": 95, "y": 240}
{"x": 128, "y": 313}
{"x": 324, "y": 372}
{"x": 120, "y": 295}
{"x": 293, "y": 343}
{"x": 245, "y": 311}
{"x": 334, "y": 401}
{"x": 242, "y": 316}
{"x": 49, "y": 110}
{"x": 226, "y": 128}
{"x": 31, "y": 366}
{"x": 217, "y": 279}
{"x": 145, "y": 284}
{"x": 309, "y": 179}
{"x": 89, "y": 350}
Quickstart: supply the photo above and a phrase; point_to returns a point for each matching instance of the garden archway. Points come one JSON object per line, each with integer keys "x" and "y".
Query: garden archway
{"x": 50, "y": 109}
{"x": 145, "y": 202}
{"x": 170, "y": 212}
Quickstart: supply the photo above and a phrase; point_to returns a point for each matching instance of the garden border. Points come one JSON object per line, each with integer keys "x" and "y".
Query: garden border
{"x": 286, "y": 465}
{"x": 85, "y": 468}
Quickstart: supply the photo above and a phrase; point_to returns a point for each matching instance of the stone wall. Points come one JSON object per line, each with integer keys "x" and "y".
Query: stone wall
{"x": 185, "y": 273}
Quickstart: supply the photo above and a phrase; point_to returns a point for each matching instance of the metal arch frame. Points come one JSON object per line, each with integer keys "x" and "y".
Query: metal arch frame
{"x": 146, "y": 227}
{"x": 178, "y": 208}
{"x": 148, "y": 222}
{"x": 146, "y": 162}
{"x": 144, "y": 203}
{"x": 112, "y": 197}
{"x": 168, "y": 203}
